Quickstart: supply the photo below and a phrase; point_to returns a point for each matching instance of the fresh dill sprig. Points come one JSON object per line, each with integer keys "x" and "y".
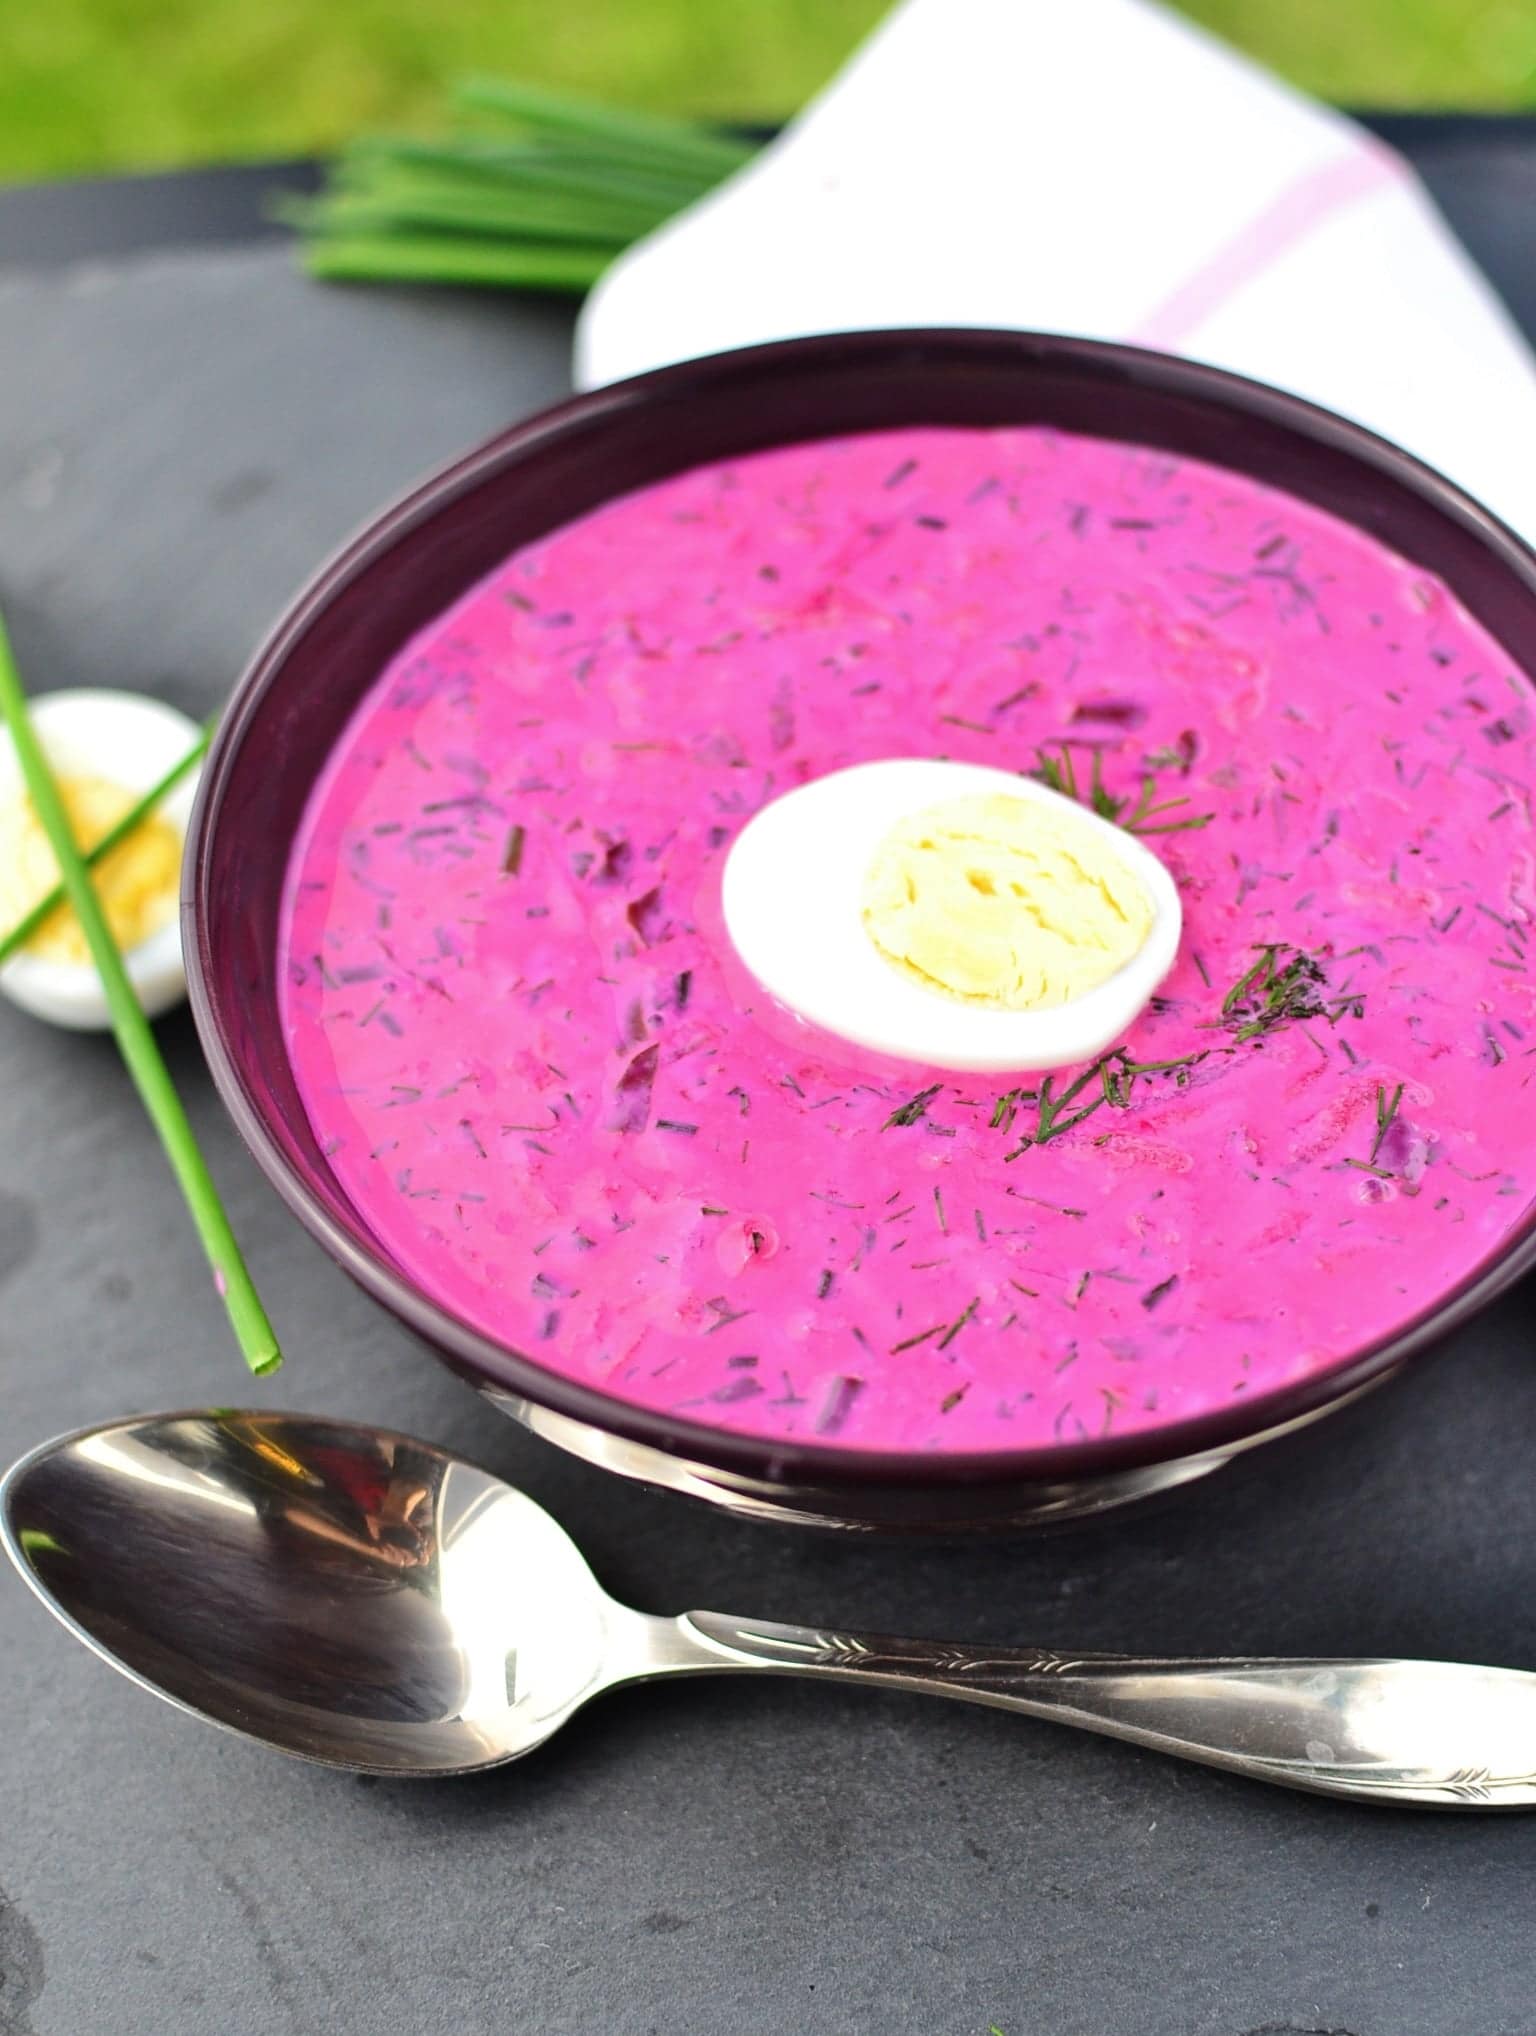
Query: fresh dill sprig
{"x": 1117, "y": 1074}
{"x": 1054, "y": 1114}
{"x": 1057, "y": 775}
{"x": 1143, "y": 816}
{"x": 1137, "y": 816}
{"x": 1283, "y": 986}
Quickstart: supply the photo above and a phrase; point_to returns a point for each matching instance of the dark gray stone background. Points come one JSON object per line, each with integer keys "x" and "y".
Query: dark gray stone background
{"x": 181, "y": 437}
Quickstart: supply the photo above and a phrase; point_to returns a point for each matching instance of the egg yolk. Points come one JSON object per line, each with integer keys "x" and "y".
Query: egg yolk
{"x": 1004, "y": 902}
{"x": 136, "y": 881}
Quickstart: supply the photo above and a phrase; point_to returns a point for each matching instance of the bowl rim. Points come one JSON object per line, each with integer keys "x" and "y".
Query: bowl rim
{"x": 798, "y": 1461}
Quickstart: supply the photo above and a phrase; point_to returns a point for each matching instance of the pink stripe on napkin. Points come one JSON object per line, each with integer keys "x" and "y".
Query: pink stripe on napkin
{"x": 1285, "y": 222}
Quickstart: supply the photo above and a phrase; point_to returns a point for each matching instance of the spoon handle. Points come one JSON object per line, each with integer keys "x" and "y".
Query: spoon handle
{"x": 1428, "y": 1732}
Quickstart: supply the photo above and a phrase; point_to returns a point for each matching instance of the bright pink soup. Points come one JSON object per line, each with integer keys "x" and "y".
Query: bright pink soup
{"x": 543, "y": 1083}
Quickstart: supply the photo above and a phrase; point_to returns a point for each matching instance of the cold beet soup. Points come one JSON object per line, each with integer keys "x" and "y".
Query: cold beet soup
{"x": 566, "y": 1110}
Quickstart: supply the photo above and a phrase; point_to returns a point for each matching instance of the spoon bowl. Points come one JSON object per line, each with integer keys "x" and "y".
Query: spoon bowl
{"x": 342, "y": 1593}
{"x": 359, "y": 1598}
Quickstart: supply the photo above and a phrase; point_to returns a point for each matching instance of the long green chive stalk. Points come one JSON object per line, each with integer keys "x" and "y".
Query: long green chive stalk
{"x": 532, "y": 190}
{"x": 135, "y": 1040}
{"x": 132, "y": 820}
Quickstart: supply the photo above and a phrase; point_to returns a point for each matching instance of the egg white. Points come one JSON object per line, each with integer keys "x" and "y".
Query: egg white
{"x": 130, "y": 740}
{"x": 792, "y": 896}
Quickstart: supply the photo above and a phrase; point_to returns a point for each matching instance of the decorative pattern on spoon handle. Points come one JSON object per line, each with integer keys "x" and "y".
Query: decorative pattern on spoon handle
{"x": 878, "y": 1655}
{"x": 1467, "y": 1786}
{"x": 1410, "y": 1725}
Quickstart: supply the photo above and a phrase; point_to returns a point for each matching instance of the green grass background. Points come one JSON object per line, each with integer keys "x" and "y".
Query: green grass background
{"x": 91, "y": 85}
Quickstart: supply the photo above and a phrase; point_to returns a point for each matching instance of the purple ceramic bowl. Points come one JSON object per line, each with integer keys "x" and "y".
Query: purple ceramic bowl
{"x": 420, "y": 555}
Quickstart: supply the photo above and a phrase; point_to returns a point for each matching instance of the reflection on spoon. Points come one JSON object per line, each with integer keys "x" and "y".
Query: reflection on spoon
{"x": 365, "y": 1600}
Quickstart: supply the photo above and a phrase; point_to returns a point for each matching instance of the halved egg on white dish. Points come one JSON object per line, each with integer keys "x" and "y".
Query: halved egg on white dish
{"x": 951, "y": 914}
{"x": 107, "y": 749}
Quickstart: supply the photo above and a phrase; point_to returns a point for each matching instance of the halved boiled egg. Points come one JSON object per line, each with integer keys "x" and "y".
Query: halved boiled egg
{"x": 107, "y": 749}
{"x": 951, "y": 914}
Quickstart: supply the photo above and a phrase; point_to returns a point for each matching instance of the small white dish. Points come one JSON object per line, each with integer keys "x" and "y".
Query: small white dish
{"x": 130, "y": 740}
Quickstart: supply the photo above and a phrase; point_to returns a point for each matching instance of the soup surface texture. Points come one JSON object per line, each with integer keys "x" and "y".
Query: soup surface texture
{"x": 552, "y": 1094}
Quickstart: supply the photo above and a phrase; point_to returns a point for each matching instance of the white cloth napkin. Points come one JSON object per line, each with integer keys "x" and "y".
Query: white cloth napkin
{"x": 1096, "y": 167}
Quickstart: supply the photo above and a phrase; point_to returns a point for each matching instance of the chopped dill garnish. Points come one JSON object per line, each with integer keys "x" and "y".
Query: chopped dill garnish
{"x": 913, "y": 1109}
{"x": 1118, "y": 1072}
{"x": 912, "y": 1342}
{"x": 1272, "y": 993}
{"x": 1386, "y": 1114}
{"x": 1387, "y": 1108}
{"x": 1005, "y": 1109}
{"x": 958, "y": 1324}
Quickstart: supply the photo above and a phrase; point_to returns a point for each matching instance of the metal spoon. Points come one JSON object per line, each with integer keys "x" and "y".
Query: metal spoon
{"x": 362, "y": 1599}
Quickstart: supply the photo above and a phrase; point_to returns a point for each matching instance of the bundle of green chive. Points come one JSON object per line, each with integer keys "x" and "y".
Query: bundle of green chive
{"x": 135, "y": 1037}
{"x": 531, "y": 190}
